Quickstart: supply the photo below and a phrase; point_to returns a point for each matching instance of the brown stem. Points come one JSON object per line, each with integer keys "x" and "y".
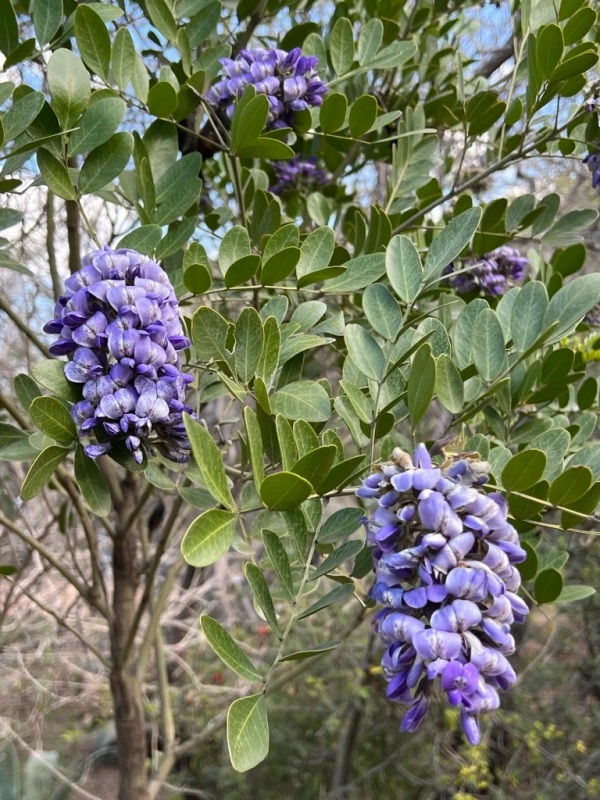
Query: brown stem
{"x": 50, "y": 245}
{"x": 125, "y": 682}
{"x": 74, "y": 235}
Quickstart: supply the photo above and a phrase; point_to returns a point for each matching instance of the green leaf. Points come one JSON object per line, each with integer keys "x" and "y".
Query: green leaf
{"x": 249, "y": 120}
{"x": 249, "y": 340}
{"x": 341, "y": 46}
{"x": 14, "y": 444}
{"x": 527, "y": 316}
{"x": 306, "y": 400}
{"x": 549, "y": 50}
{"x": 394, "y": 55}
{"x": 585, "y": 505}
{"x": 570, "y": 486}
{"x": 421, "y": 384}
{"x": 280, "y": 562}
{"x": 144, "y": 239}
{"x": 50, "y": 373}
{"x": 196, "y": 496}
{"x": 242, "y": 270}
{"x": 93, "y": 40}
{"x": 340, "y": 524}
{"x": 247, "y": 732}
{"x": 266, "y": 147}
{"x": 337, "y": 595}
{"x": 554, "y": 443}
{"x": 26, "y": 390}
{"x": 55, "y": 175}
{"x": 162, "y": 18}
{"x": 363, "y": 112}
{"x": 92, "y": 483}
{"x": 449, "y": 384}
{"x": 140, "y": 80}
{"x": 157, "y": 477}
{"x": 209, "y": 537}
{"x": 487, "y": 345}
{"x": 548, "y": 586}
{"x": 316, "y": 251}
{"x": 42, "y": 470}
{"x": 260, "y": 590}
{"x": 315, "y": 465}
{"x": 9, "y": 28}
{"x": 360, "y": 402}
{"x": 365, "y": 352}
{"x": 228, "y": 650}
{"x": 53, "y": 419}
{"x": 255, "y": 446}
{"x": 528, "y": 568}
{"x": 403, "y": 267}
{"x": 97, "y": 125}
{"x": 575, "y": 592}
{"x": 283, "y": 491}
{"x": 162, "y": 99}
{"x": 566, "y": 230}
{"x": 296, "y": 525}
{"x": 360, "y": 272}
{"x": 332, "y": 115}
{"x": 279, "y": 266}
{"x": 449, "y": 244}
{"x": 123, "y": 58}
{"x": 105, "y": 163}
{"x": 210, "y": 463}
{"x": 369, "y": 40}
{"x": 300, "y": 655}
{"x": 287, "y": 445}
{"x": 341, "y": 554}
{"x": 571, "y": 303}
{"x": 203, "y": 23}
{"x": 381, "y": 310}
{"x": 209, "y": 335}
{"x": 269, "y": 358}
{"x": 69, "y": 84}
{"x": 523, "y": 470}
{"x": 22, "y": 113}
{"x": 234, "y": 245}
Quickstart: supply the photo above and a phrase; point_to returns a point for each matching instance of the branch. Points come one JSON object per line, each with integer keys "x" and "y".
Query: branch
{"x": 61, "y": 621}
{"x": 50, "y": 247}
{"x": 23, "y": 327}
{"x": 495, "y": 61}
{"x": 46, "y": 554}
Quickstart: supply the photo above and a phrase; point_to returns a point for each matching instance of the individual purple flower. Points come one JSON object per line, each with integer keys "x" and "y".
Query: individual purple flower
{"x": 444, "y": 556}
{"x": 118, "y": 323}
{"x": 298, "y": 174}
{"x": 492, "y": 274}
{"x": 289, "y": 81}
{"x": 592, "y": 161}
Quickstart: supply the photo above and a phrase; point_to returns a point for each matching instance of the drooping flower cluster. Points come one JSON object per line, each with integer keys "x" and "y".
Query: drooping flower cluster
{"x": 492, "y": 274}
{"x": 289, "y": 81}
{"x": 592, "y": 161}
{"x": 444, "y": 558}
{"x": 298, "y": 173}
{"x": 119, "y": 325}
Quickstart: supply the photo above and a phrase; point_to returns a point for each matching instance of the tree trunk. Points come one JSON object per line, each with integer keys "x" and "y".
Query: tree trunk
{"x": 125, "y": 683}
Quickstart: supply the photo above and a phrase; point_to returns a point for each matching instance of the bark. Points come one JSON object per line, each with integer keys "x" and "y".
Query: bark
{"x": 125, "y": 682}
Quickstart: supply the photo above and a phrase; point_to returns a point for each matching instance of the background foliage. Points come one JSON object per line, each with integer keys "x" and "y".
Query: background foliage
{"x": 324, "y": 333}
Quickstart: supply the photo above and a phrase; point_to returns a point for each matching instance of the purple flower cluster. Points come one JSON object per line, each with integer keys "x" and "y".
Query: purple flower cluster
{"x": 299, "y": 173}
{"x": 592, "y": 160}
{"x": 119, "y": 325}
{"x": 289, "y": 80}
{"x": 491, "y": 274}
{"x": 444, "y": 558}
